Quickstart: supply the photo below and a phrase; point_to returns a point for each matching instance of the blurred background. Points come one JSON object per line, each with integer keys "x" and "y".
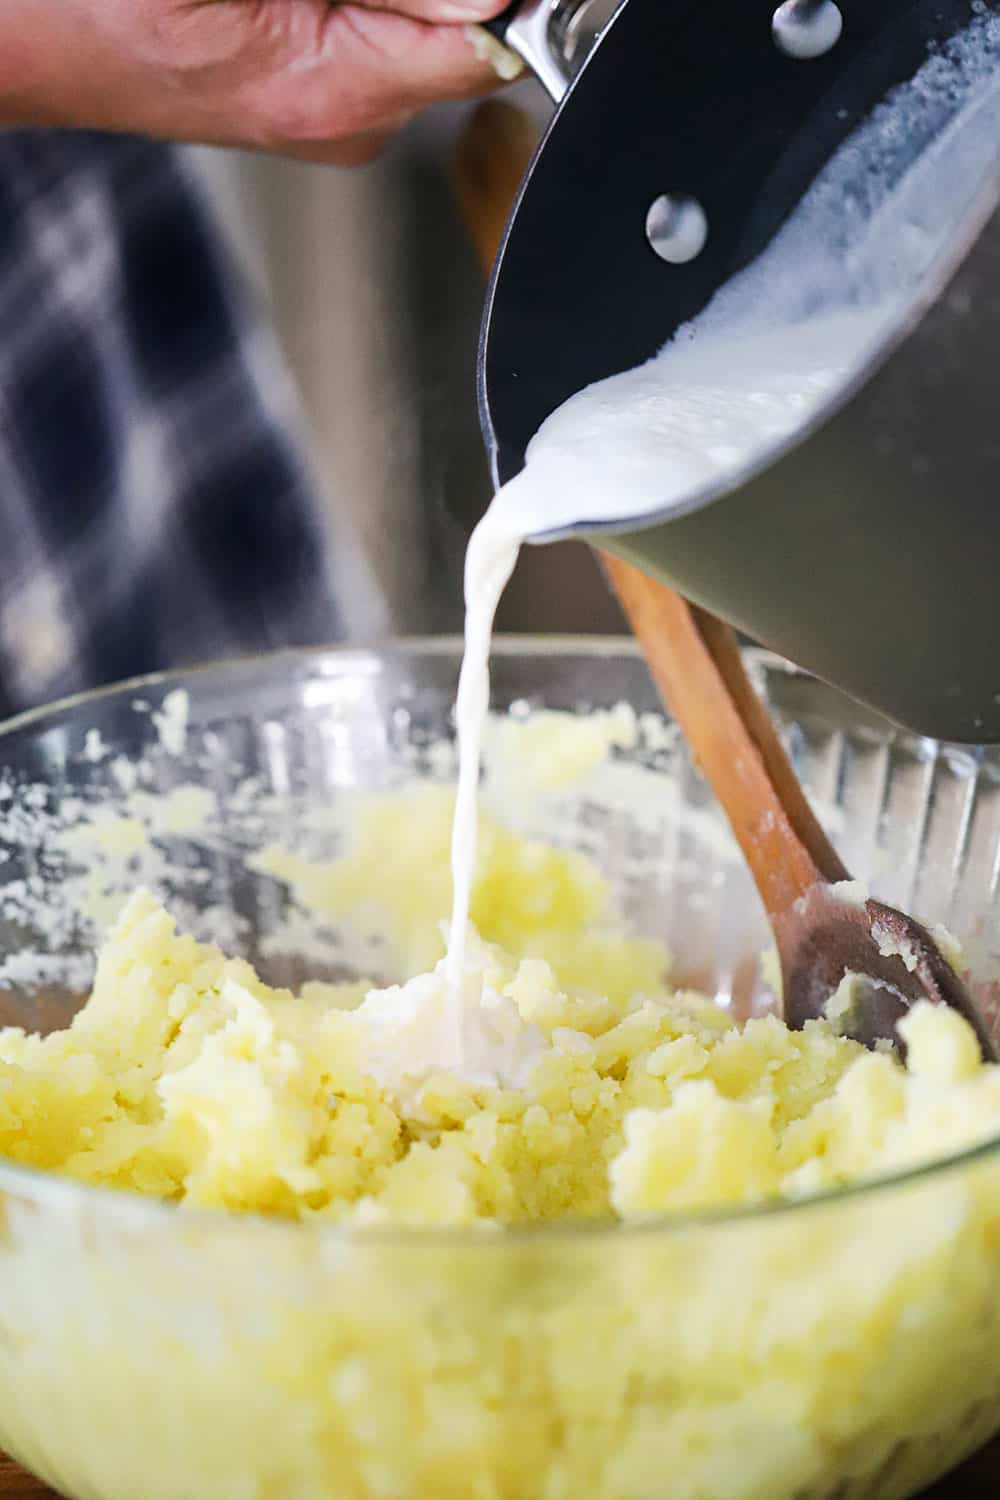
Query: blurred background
{"x": 377, "y": 296}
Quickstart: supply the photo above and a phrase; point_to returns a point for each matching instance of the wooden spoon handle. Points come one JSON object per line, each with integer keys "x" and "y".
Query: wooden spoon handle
{"x": 694, "y": 658}
{"x": 696, "y": 664}
{"x": 724, "y": 650}
{"x": 491, "y": 157}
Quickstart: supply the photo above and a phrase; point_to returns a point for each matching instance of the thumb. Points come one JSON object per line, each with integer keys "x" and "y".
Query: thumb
{"x": 505, "y": 63}
{"x": 473, "y": 13}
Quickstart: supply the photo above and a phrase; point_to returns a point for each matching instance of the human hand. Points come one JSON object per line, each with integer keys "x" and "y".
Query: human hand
{"x": 311, "y": 79}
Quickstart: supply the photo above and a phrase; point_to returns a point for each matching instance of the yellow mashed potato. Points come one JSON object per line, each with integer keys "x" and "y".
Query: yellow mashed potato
{"x": 850, "y": 1343}
{"x": 187, "y": 1078}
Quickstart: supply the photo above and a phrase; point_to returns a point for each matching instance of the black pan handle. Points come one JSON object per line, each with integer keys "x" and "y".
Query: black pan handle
{"x": 556, "y": 37}
{"x": 529, "y": 28}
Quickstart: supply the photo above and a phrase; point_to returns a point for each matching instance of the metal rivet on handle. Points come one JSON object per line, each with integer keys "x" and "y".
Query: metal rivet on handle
{"x": 806, "y": 28}
{"x": 676, "y": 228}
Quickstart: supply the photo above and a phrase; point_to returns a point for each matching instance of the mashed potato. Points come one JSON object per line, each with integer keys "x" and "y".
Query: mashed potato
{"x": 845, "y": 1348}
{"x": 187, "y": 1078}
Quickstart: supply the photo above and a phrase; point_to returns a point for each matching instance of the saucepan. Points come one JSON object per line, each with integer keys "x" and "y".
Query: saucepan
{"x": 865, "y": 546}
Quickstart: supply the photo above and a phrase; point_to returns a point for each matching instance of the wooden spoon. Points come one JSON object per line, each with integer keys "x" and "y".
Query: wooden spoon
{"x": 822, "y": 933}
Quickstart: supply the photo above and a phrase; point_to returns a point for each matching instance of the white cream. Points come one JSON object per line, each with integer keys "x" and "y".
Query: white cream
{"x": 407, "y": 1030}
{"x": 654, "y": 438}
{"x": 489, "y": 562}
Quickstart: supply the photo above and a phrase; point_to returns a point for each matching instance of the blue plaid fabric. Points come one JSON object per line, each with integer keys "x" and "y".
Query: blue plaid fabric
{"x": 154, "y": 506}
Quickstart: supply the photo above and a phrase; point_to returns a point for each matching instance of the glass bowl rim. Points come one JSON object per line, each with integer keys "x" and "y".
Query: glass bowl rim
{"x": 135, "y": 1211}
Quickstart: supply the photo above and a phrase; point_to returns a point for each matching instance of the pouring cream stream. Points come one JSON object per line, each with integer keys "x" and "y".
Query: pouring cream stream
{"x": 666, "y": 429}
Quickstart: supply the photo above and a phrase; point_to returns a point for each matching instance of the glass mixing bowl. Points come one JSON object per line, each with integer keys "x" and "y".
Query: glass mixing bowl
{"x": 844, "y": 1347}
